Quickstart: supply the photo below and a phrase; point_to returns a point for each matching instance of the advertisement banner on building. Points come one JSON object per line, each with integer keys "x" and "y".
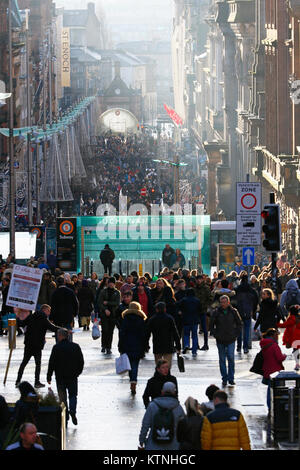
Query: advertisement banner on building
{"x": 66, "y": 244}
{"x": 173, "y": 115}
{"x": 65, "y": 58}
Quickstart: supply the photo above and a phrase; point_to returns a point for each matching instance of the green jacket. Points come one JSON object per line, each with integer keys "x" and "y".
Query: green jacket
{"x": 204, "y": 294}
{"x": 113, "y": 297}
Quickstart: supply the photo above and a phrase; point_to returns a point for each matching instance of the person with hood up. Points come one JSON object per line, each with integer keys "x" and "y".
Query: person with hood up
{"x": 132, "y": 337}
{"x": 167, "y": 401}
{"x": 290, "y": 296}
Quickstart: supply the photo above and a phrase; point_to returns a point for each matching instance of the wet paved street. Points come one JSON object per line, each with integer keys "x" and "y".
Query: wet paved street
{"x": 109, "y": 418}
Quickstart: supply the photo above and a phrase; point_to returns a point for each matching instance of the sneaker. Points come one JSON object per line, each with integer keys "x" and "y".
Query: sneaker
{"x": 232, "y": 383}
{"x": 246, "y": 351}
{"x": 185, "y": 350}
{"x": 194, "y": 354}
{"x": 108, "y": 351}
{"x": 38, "y": 385}
{"x": 239, "y": 350}
{"x": 74, "y": 418}
{"x": 204, "y": 348}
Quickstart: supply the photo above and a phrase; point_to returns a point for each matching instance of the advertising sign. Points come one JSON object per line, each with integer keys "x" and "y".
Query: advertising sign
{"x": 24, "y": 287}
{"x": 66, "y": 244}
{"x": 65, "y": 58}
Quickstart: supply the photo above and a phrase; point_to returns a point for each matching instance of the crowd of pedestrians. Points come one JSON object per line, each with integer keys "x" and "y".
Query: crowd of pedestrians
{"x": 171, "y": 309}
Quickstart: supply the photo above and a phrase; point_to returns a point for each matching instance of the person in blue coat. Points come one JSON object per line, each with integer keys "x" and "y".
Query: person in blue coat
{"x": 132, "y": 337}
{"x": 190, "y": 308}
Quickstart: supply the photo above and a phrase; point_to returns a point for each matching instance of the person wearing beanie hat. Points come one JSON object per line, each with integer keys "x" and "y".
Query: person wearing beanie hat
{"x": 107, "y": 303}
{"x": 132, "y": 338}
{"x": 161, "y": 437}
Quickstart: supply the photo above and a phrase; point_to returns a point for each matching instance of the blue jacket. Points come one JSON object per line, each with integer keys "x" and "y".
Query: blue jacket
{"x": 190, "y": 306}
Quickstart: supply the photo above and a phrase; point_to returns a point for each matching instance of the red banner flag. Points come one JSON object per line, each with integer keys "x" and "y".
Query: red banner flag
{"x": 173, "y": 115}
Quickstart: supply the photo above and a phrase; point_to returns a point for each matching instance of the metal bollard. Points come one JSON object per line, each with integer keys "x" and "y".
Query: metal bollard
{"x": 12, "y": 329}
{"x": 291, "y": 415}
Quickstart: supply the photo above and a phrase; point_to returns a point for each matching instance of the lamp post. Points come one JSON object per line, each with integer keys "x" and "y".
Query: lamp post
{"x": 12, "y": 181}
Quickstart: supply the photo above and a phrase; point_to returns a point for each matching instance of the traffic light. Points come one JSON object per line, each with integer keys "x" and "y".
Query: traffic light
{"x": 272, "y": 227}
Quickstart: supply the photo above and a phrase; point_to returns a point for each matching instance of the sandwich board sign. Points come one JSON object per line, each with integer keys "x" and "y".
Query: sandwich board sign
{"x": 24, "y": 287}
{"x": 248, "y": 214}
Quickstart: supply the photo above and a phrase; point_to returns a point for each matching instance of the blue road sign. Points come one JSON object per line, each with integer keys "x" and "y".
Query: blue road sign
{"x": 248, "y": 256}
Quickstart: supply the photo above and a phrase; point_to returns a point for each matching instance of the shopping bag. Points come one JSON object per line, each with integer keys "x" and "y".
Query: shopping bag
{"x": 257, "y": 366}
{"x": 180, "y": 363}
{"x": 122, "y": 364}
{"x": 96, "y": 330}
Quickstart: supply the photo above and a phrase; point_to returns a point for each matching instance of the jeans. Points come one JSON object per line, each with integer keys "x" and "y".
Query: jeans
{"x": 28, "y": 353}
{"x": 187, "y": 330}
{"x": 226, "y": 352}
{"x": 69, "y": 386}
{"x": 244, "y": 335}
{"x": 133, "y": 373}
{"x": 204, "y": 328}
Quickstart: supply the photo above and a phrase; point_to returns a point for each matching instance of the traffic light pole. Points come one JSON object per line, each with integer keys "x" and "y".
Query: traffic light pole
{"x": 274, "y": 257}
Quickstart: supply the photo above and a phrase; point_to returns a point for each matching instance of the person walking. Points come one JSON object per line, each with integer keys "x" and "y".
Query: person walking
{"x": 177, "y": 260}
{"x": 67, "y": 362}
{"x": 155, "y": 384}
{"x": 142, "y": 294}
{"x": 36, "y": 323}
{"x": 190, "y": 308}
{"x": 269, "y": 314}
{"x": 107, "y": 256}
{"x": 247, "y": 300}
{"x": 225, "y": 427}
{"x": 124, "y": 305}
{"x": 164, "y": 334}
{"x": 108, "y": 301}
{"x": 189, "y": 428}
{"x": 272, "y": 358}
{"x": 159, "y": 425}
{"x": 204, "y": 294}
{"x": 64, "y": 305}
{"x": 290, "y": 296}
{"x": 225, "y": 326}
{"x": 132, "y": 337}
{"x": 85, "y": 298}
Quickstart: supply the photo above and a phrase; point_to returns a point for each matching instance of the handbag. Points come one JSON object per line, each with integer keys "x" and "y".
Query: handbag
{"x": 257, "y": 366}
{"x": 180, "y": 363}
{"x": 122, "y": 364}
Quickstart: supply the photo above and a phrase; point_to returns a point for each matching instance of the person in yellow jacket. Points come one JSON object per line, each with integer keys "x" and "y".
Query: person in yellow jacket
{"x": 224, "y": 428}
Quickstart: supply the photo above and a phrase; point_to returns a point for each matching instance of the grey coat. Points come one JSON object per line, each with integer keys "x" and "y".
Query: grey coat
{"x": 147, "y": 423}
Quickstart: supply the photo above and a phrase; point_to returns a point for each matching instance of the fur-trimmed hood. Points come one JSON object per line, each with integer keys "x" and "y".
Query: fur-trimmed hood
{"x": 135, "y": 309}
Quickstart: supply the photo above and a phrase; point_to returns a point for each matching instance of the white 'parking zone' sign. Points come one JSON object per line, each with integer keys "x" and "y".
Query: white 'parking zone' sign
{"x": 248, "y": 214}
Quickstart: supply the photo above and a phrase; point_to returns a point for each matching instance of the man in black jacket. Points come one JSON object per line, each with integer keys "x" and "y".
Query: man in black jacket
{"x": 106, "y": 257}
{"x": 64, "y": 305}
{"x": 36, "y": 325}
{"x": 67, "y": 362}
{"x": 164, "y": 334}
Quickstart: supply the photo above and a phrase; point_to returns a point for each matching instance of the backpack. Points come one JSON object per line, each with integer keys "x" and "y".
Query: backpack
{"x": 291, "y": 299}
{"x": 163, "y": 425}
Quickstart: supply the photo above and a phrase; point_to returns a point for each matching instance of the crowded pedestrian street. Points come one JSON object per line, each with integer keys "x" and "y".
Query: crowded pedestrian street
{"x": 104, "y": 397}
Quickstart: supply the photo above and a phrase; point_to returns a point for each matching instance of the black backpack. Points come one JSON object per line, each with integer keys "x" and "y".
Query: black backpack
{"x": 291, "y": 299}
{"x": 163, "y": 425}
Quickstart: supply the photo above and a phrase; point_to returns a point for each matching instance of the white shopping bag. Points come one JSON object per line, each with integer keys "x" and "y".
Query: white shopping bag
{"x": 122, "y": 364}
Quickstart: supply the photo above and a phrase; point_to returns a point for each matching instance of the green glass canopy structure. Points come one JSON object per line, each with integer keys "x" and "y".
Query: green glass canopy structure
{"x": 138, "y": 241}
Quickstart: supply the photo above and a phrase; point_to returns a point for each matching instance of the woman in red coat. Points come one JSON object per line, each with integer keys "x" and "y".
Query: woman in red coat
{"x": 292, "y": 332}
{"x": 273, "y": 358}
